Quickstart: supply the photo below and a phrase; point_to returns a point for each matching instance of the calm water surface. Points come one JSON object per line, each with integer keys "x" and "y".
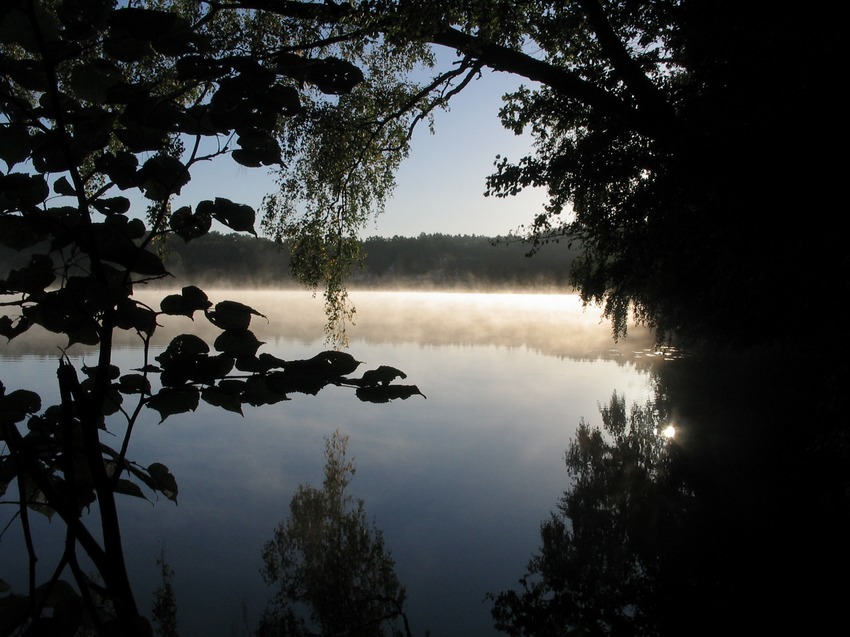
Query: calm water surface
{"x": 458, "y": 481}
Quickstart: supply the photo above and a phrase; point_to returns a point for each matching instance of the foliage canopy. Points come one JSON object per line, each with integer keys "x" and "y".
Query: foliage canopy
{"x": 102, "y": 105}
{"x": 672, "y": 136}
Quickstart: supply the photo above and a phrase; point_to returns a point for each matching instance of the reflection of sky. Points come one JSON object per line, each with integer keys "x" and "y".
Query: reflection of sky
{"x": 458, "y": 482}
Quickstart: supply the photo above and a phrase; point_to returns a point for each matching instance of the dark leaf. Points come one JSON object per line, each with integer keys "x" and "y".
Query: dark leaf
{"x": 182, "y": 349}
{"x": 209, "y": 369}
{"x": 117, "y": 248}
{"x": 112, "y": 373}
{"x": 162, "y": 176}
{"x": 140, "y": 140}
{"x": 383, "y": 375}
{"x": 149, "y": 369}
{"x": 236, "y": 216}
{"x": 10, "y": 329}
{"x": 112, "y": 401}
{"x": 84, "y": 333}
{"x": 126, "y": 487}
{"x": 282, "y": 99}
{"x": 169, "y": 402}
{"x": 17, "y": 405}
{"x": 120, "y": 168}
{"x": 19, "y": 233}
{"x": 189, "y": 301}
{"x": 386, "y": 393}
{"x": 126, "y": 48}
{"x": 63, "y": 187}
{"x": 224, "y": 399}
{"x": 231, "y": 315}
{"x": 259, "y": 365}
{"x": 36, "y": 276}
{"x": 249, "y": 158}
{"x": 144, "y": 24}
{"x": 257, "y": 392}
{"x": 163, "y": 480}
{"x": 131, "y": 315}
{"x": 134, "y": 384}
{"x": 195, "y": 297}
{"x": 111, "y": 205}
{"x": 291, "y": 382}
{"x": 197, "y": 67}
{"x": 334, "y": 364}
{"x": 14, "y": 144}
{"x": 29, "y": 74}
{"x": 22, "y": 192}
{"x": 173, "y": 306}
{"x": 330, "y": 75}
{"x": 189, "y": 226}
{"x": 237, "y": 343}
{"x": 92, "y": 81}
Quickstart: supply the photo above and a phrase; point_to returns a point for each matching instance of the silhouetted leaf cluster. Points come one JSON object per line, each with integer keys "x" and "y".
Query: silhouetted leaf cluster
{"x": 97, "y": 99}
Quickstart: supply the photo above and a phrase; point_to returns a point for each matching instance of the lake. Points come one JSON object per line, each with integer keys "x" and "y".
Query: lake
{"x": 458, "y": 480}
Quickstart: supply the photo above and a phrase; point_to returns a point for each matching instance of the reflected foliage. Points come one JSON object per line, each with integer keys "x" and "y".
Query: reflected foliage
{"x": 740, "y": 519}
{"x": 332, "y": 572}
{"x": 101, "y": 104}
{"x": 598, "y": 570}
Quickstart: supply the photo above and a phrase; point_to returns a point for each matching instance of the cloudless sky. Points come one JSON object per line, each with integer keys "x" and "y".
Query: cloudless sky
{"x": 440, "y": 185}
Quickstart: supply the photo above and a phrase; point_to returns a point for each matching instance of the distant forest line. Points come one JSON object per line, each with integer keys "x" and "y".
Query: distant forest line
{"x": 427, "y": 261}
{"x": 467, "y": 262}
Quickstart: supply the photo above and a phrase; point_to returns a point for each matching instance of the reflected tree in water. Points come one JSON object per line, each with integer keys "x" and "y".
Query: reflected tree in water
{"x": 331, "y": 569}
{"x": 604, "y": 548}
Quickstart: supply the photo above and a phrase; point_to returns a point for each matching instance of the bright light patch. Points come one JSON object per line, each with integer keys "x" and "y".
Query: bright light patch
{"x": 669, "y": 431}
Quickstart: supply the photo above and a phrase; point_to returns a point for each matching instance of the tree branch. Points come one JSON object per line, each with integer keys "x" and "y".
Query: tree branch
{"x": 650, "y": 99}
{"x": 651, "y": 120}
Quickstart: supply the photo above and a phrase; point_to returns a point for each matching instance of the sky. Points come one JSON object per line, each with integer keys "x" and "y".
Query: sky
{"x": 440, "y": 186}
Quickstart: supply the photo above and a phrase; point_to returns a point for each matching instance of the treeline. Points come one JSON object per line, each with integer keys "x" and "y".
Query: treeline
{"x": 463, "y": 261}
{"x": 426, "y": 261}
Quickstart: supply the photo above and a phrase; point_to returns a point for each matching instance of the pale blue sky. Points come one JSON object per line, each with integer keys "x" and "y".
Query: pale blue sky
{"x": 440, "y": 185}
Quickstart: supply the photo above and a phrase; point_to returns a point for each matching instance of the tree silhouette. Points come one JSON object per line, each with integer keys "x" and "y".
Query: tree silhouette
{"x": 96, "y": 101}
{"x": 661, "y": 134}
{"x": 332, "y": 572}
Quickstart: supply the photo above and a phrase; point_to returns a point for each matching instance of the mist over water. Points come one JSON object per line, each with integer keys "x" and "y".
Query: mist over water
{"x": 458, "y": 482}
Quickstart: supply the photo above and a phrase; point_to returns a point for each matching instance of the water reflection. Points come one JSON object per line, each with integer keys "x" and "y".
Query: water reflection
{"x": 457, "y": 482}
{"x": 739, "y": 523}
{"x": 606, "y": 547}
{"x": 327, "y": 564}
